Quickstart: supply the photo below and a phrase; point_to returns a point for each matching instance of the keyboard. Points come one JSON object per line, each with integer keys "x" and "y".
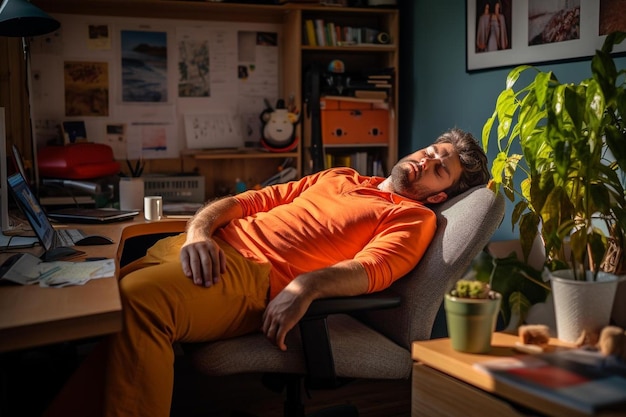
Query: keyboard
{"x": 68, "y": 237}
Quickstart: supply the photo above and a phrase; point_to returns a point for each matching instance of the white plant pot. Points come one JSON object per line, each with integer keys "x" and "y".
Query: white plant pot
{"x": 618, "y": 315}
{"x": 582, "y": 305}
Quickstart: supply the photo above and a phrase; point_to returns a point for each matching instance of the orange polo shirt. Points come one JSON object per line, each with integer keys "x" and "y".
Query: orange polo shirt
{"x": 331, "y": 216}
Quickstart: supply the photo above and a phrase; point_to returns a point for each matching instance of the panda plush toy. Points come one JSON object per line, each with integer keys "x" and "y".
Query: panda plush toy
{"x": 279, "y": 128}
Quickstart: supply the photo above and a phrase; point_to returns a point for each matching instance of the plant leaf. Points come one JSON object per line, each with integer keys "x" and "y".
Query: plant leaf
{"x": 506, "y": 106}
{"x": 519, "y": 306}
{"x": 542, "y": 86}
{"x": 511, "y": 79}
{"x": 487, "y": 131}
{"x": 528, "y": 229}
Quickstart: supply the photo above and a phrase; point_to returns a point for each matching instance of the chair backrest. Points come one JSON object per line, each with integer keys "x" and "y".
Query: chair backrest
{"x": 465, "y": 225}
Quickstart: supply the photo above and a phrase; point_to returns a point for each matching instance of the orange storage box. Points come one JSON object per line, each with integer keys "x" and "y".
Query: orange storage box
{"x": 348, "y": 122}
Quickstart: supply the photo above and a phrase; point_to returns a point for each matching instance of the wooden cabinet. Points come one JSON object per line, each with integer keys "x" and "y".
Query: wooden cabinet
{"x": 296, "y": 57}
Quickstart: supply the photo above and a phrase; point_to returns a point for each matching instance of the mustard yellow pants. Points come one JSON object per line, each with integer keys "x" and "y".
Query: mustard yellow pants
{"x": 131, "y": 373}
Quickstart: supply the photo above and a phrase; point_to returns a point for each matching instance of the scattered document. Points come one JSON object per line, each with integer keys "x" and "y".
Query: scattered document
{"x": 27, "y": 269}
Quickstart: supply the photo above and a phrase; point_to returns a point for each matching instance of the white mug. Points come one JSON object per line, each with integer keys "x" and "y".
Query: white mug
{"x": 153, "y": 207}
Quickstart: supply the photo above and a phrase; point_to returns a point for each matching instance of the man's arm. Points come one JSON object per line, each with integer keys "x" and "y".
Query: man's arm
{"x": 347, "y": 278}
{"x": 202, "y": 259}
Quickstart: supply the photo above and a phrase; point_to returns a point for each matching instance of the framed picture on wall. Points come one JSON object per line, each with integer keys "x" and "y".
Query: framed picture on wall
{"x": 502, "y": 33}
{"x": 74, "y": 131}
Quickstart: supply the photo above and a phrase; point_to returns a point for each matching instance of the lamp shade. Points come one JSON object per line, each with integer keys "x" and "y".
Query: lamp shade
{"x": 19, "y": 18}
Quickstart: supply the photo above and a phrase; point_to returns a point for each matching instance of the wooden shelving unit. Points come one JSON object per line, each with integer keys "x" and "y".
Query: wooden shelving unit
{"x": 358, "y": 57}
{"x": 218, "y": 166}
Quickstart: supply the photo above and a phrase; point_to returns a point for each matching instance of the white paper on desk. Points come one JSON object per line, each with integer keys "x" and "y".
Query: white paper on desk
{"x": 17, "y": 242}
{"x": 29, "y": 269}
{"x": 76, "y": 273}
{"x": 24, "y": 271}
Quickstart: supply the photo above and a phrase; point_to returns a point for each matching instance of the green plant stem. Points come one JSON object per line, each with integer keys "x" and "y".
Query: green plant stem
{"x": 538, "y": 282}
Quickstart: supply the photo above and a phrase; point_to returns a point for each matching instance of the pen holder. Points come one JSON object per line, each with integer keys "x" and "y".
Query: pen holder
{"x": 131, "y": 193}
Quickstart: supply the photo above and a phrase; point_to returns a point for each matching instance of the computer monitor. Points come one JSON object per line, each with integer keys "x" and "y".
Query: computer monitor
{"x": 30, "y": 207}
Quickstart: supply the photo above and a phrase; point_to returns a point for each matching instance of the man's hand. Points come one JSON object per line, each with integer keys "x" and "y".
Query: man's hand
{"x": 282, "y": 314}
{"x": 345, "y": 278}
{"x": 203, "y": 261}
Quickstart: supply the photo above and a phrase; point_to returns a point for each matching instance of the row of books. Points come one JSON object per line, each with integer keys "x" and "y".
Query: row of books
{"x": 320, "y": 33}
{"x": 364, "y": 162}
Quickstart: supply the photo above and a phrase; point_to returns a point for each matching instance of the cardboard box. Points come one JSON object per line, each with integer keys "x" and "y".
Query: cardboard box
{"x": 353, "y": 122}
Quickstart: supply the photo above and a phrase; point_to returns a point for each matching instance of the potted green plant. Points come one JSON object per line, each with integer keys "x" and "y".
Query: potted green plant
{"x": 569, "y": 141}
{"x": 471, "y": 313}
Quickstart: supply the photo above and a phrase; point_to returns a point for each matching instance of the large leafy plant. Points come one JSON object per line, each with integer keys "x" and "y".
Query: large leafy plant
{"x": 572, "y": 139}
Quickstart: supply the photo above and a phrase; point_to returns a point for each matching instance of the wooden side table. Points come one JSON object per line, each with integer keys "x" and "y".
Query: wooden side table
{"x": 445, "y": 383}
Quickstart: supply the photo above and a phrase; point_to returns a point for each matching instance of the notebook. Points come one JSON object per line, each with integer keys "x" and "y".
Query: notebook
{"x": 91, "y": 215}
{"x": 55, "y": 242}
{"x": 79, "y": 214}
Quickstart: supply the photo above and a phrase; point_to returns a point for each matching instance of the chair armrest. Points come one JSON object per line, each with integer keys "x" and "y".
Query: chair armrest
{"x": 325, "y": 306}
{"x": 316, "y": 339}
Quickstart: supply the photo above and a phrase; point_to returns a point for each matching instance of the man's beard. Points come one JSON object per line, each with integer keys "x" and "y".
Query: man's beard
{"x": 404, "y": 186}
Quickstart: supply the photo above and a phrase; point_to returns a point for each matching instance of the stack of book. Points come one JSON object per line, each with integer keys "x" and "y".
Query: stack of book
{"x": 374, "y": 84}
{"x": 580, "y": 379}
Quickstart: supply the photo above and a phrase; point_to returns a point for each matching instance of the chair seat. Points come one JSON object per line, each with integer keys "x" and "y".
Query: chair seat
{"x": 358, "y": 352}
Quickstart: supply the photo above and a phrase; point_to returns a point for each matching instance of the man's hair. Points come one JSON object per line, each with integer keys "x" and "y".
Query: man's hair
{"x": 473, "y": 160}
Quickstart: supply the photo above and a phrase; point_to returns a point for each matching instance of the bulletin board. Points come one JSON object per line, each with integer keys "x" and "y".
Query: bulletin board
{"x": 150, "y": 88}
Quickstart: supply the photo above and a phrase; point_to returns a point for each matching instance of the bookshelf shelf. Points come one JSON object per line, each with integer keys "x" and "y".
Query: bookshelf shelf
{"x": 353, "y": 48}
{"x": 352, "y": 146}
{"x": 234, "y": 154}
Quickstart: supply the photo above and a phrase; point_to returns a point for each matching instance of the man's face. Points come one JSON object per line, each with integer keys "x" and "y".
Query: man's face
{"x": 425, "y": 175}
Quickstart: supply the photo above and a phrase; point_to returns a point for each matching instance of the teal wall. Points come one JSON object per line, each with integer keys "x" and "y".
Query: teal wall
{"x": 436, "y": 91}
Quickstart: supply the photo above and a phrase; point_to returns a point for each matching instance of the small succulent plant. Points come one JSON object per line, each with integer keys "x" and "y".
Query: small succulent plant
{"x": 470, "y": 288}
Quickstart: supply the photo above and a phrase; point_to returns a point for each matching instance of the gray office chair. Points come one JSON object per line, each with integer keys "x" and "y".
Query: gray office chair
{"x": 371, "y": 337}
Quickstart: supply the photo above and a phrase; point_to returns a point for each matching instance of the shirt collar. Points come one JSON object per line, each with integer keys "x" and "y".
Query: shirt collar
{"x": 370, "y": 186}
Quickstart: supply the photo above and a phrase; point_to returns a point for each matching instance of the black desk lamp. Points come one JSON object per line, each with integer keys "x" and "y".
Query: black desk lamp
{"x": 18, "y": 18}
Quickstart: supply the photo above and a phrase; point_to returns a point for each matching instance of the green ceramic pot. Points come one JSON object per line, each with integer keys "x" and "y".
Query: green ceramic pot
{"x": 471, "y": 322}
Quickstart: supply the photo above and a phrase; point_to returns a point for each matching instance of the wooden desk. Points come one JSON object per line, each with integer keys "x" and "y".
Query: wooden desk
{"x": 33, "y": 316}
{"x": 445, "y": 383}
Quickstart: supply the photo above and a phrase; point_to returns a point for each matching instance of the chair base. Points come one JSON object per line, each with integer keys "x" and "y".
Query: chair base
{"x": 294, "y": 406}
{"x": 344, "y": 410}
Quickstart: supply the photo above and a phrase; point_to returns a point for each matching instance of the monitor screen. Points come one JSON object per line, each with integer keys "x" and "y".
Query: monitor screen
{"x": 31, "y": 208}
